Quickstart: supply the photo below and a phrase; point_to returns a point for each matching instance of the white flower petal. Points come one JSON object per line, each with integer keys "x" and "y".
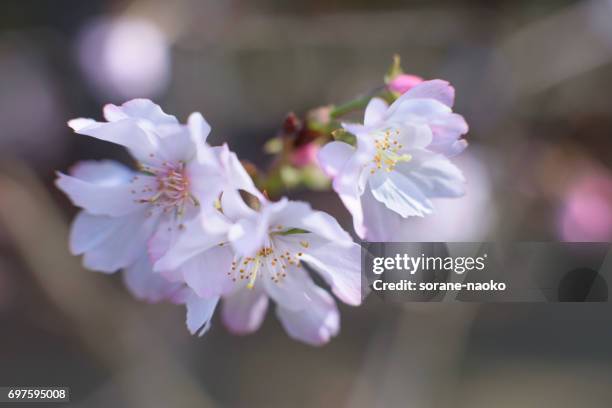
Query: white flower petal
{"x": 181, "y": 296}
{"x": 315, "y": 325}
{"x": 197, "y": 236}
{"x": 88, "y": 231}
{"x": 406, "y": 110}
{"x": 206, "y": 182}
{"x": 102, "y": 172}
{"x": 375, "y": 111}
{"x": 81, "y": 123}
{"x": 142, "y": 109}
{"x": 221, "y": 171}
{"x": 236, "y": 176}
{"x": 151, "y": 135}
{"x": 414, "y": 136}
{"x": 125, "y": 132}
{"x": 454, "y": 149}
{"x": 353, "y": 205}
{"x": 326, "y": 226}
{"x": 234, "y": 207}
{"x": 351, "y": 178}
{"x": 124, "y": 239}
{"x": 294, "y": 291}
{"x": 400, "y": 194}
{"x": 207, "y": 272}
{"x": 447, "y": 129}
{"x": 248, "y": 235}
{"x": 162, "y": 239}
{"x": 340, "y": 267}
{"x": 433, "y": 174}
{"x": 436, "y": 89}
{"x": 297, "y": 214}
{"x": 146, "y": 285}
{"x": 104, "y": 196}
{"x": 381, "y": 223}
{"x": 355, "y": 128}
{"x": 174, "y": 144}
{"x": 199, "y": 313}
{"x": 199, "y": 130}
{"x": 333, "y": 156}
{"x": 244, "y": 310}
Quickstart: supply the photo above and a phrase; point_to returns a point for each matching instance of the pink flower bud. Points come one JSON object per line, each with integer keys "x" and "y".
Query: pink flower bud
{"x": 305, "y": 155}
{"x": 403, "y": 82}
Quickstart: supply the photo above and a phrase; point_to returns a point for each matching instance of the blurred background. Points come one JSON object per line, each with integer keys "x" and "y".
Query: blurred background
{"x": 533, "y": 79}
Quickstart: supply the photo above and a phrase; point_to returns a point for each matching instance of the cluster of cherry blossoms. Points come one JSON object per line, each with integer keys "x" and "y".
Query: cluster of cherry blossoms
{"x": 191, "y": 226}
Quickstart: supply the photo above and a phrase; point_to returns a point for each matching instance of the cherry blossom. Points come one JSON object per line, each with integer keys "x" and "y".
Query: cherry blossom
{"x": 178, "y": 177}
{"x": 400, "y": 160}
{"x": 249, "y": 256}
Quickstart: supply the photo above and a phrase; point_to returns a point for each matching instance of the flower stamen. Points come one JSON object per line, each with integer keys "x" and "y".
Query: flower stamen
{"x": 388, "y": 153}
{"x": 269, "y": 260}
{"x": 172, "y": 192}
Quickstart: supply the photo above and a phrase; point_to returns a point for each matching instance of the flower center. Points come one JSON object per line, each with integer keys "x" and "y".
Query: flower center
{"x": 269, "y": 260}
{"x": 388, "y": 152}
{"x": 172, "y": 187}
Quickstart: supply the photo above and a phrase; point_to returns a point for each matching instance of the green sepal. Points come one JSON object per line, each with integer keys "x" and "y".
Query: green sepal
{"x": 394, "y": 70}
{"x": 342, "y": 135}
{"x": 292, "y": 231}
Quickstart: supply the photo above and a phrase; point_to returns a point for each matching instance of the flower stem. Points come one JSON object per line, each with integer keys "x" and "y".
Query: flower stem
{"x": 349, "y": 106}
{"x": 355, "y": 104}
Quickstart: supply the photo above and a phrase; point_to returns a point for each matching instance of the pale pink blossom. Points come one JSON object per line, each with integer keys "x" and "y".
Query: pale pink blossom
{"x": 400, "y": 159}
{"x": 178, "y": 177}
{"x": 248, "y": 256}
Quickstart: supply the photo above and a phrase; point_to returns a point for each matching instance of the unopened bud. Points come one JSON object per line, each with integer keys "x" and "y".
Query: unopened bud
{"x": 404, "y": 82}
{"x": 305, "y": 155}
